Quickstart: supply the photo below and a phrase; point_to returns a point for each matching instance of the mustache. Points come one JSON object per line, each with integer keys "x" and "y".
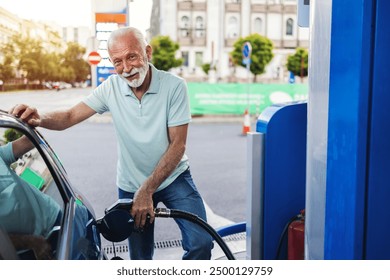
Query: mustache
{"x": 132, "y": 72}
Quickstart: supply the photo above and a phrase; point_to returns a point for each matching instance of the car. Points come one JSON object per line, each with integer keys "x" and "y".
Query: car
{"x": 75, "y": 234}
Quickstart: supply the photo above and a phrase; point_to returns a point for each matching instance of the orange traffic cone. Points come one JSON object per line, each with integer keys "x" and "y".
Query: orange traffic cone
{"x": 247, "y": 123}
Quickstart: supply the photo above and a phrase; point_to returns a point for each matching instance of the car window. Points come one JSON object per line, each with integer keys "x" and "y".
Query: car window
{"x": 31, "y": 205}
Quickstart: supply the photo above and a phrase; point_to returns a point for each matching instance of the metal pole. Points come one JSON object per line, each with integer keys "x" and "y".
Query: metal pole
{"x": 248, "y": 69}
{"x": 255, "y": 190}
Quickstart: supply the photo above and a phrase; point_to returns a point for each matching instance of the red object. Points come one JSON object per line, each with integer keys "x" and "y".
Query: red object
{"x": 94, "y": 58}
{"x": 296, "y": 237}
{"x": 246, "y": 127}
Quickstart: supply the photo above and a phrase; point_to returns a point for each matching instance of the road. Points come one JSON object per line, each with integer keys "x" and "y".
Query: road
{"x": 216, "y": 150}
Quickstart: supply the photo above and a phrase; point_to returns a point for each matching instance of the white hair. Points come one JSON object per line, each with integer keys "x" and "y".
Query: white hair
{"x": 126, "y": 31}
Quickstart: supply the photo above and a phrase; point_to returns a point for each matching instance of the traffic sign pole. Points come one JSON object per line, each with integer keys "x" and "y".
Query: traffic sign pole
{"x": 246, "y": 59}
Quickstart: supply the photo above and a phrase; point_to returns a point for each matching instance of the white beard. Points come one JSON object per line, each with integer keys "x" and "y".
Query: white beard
{"x": 142, "y": 75}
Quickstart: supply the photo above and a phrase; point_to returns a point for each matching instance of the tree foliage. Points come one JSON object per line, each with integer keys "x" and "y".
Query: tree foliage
{"x": 11, "y": 135}
{"x": 7, "y": 65}
{"x": 33, "y": 61}
{"x": 298, "y": 62}
{"x": 164, "y": 50}
{"x": 74, "y": 62}
{"x": 261, "y": 53}
{"x": 206, "y": 68}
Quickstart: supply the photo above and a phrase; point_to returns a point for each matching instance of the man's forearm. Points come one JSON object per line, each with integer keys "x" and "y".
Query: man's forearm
{"x": 21, "y": 146}
{"x": 58, "y": 120}
{"x": 63, "y": 119}
{"x": 165, "y": 167}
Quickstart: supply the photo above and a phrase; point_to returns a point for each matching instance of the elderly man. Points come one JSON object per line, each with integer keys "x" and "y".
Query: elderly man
{"x": 150, "y": 111}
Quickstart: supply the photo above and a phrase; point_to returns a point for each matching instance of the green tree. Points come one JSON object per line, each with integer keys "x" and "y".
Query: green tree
{"x": 261, "y": 53}
{"x": 77, "y": 68}
{"x": 52, "y": 66}
{"x": 298, "y": 63}
{"x": 164, "y": 50}
{"x": 29, "y": 56}
{"x": 7, "y": 68}
{"x": 12, "y": 134}
{"x": 206, "y": 68}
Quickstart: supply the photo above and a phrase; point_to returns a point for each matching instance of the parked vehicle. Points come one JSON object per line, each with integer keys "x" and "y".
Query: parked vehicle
{"x": 75, "y": 234}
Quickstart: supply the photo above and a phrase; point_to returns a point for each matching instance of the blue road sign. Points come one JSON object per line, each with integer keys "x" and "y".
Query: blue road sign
{"x": 247, "y": 50}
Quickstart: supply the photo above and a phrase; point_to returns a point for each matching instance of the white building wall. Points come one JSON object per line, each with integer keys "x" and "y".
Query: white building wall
{"x": 168, "y": 18}
{"x": 214, "y": 39}
{"x": 245, "y": 19}
{"x": 274, "y": 27}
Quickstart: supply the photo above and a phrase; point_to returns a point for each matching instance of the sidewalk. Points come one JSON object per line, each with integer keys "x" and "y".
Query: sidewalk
{"x": 171, "y": 249}
{"x": 106, "y": 118}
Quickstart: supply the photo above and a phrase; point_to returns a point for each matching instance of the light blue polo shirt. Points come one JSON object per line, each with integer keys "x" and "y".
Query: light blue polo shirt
{"x": 141, "y": 126}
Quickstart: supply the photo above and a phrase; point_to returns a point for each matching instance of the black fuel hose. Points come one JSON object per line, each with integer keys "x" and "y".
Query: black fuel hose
{"x": 173, "y": 213}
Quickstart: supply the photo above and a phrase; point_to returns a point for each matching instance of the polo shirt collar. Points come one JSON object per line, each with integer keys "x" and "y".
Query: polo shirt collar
{"x": 155, "y": 82}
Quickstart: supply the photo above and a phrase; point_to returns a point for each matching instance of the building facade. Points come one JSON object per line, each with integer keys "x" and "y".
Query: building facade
{"x": 11, "y": 24}
{"x": 207, "y": 29}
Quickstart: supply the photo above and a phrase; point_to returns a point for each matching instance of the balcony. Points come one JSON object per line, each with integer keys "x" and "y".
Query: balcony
{"x": 258, "y": 8}
{"x": 233, "y": 7}
{"x": 184, "y": 6}
{"x": 192, "y": 37}
{"x": 199, "y": 6}
{"x": 184, "y": 41}
{"x": 291, "y": 9}
{"x": 229, "y": 42}
{"x": 275, "y": 8}
{"x": 199, "y": 41}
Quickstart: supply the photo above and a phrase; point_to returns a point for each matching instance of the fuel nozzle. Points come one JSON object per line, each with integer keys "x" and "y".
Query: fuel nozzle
{"x": 122, "y": 204}
{"x": 117, "y": 224}
{"x": 162, "y": 212}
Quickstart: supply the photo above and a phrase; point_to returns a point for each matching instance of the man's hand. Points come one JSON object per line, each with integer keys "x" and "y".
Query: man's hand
{"x": 142, "y": 208}
{"x": 27, "y": 114}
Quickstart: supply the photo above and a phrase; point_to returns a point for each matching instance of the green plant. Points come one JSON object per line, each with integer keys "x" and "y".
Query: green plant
{"x": 206, "y": 67}
{"x": 298, "y": 62}
{"x": 164, "y": 50}
{"x": 11, "y": 135}
{"x": 262, "y": 53}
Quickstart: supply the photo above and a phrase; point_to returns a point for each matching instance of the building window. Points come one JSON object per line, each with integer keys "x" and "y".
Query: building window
{"x": 289, "y": 26}
{"x": 75, "y": 35}
{"x": 199, "y": 25}
{"x": 199, "y": 22}
{"x": 185, "y": 26}
{"x": 185, "y": 21}
{"x": 232, "y": 28}
{"x": 199, "y": 59}
{"x": 258, "y": 25}
{"x": 184, "y": 55}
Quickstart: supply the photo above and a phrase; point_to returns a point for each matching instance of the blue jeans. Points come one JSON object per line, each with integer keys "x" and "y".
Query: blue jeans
{"x": 181, "y": 194}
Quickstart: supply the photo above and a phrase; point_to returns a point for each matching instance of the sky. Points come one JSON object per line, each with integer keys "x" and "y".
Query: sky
{"x": 73, "y": 12}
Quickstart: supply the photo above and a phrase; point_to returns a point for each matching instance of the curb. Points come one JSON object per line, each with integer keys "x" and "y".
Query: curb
{"x": 107, "y": 118}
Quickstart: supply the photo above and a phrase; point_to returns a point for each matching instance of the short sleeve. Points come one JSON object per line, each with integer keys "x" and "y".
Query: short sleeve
{"x": 6, "y": 153}
{"x": 97, "y": 100}
{"x": 179, "y": 107}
